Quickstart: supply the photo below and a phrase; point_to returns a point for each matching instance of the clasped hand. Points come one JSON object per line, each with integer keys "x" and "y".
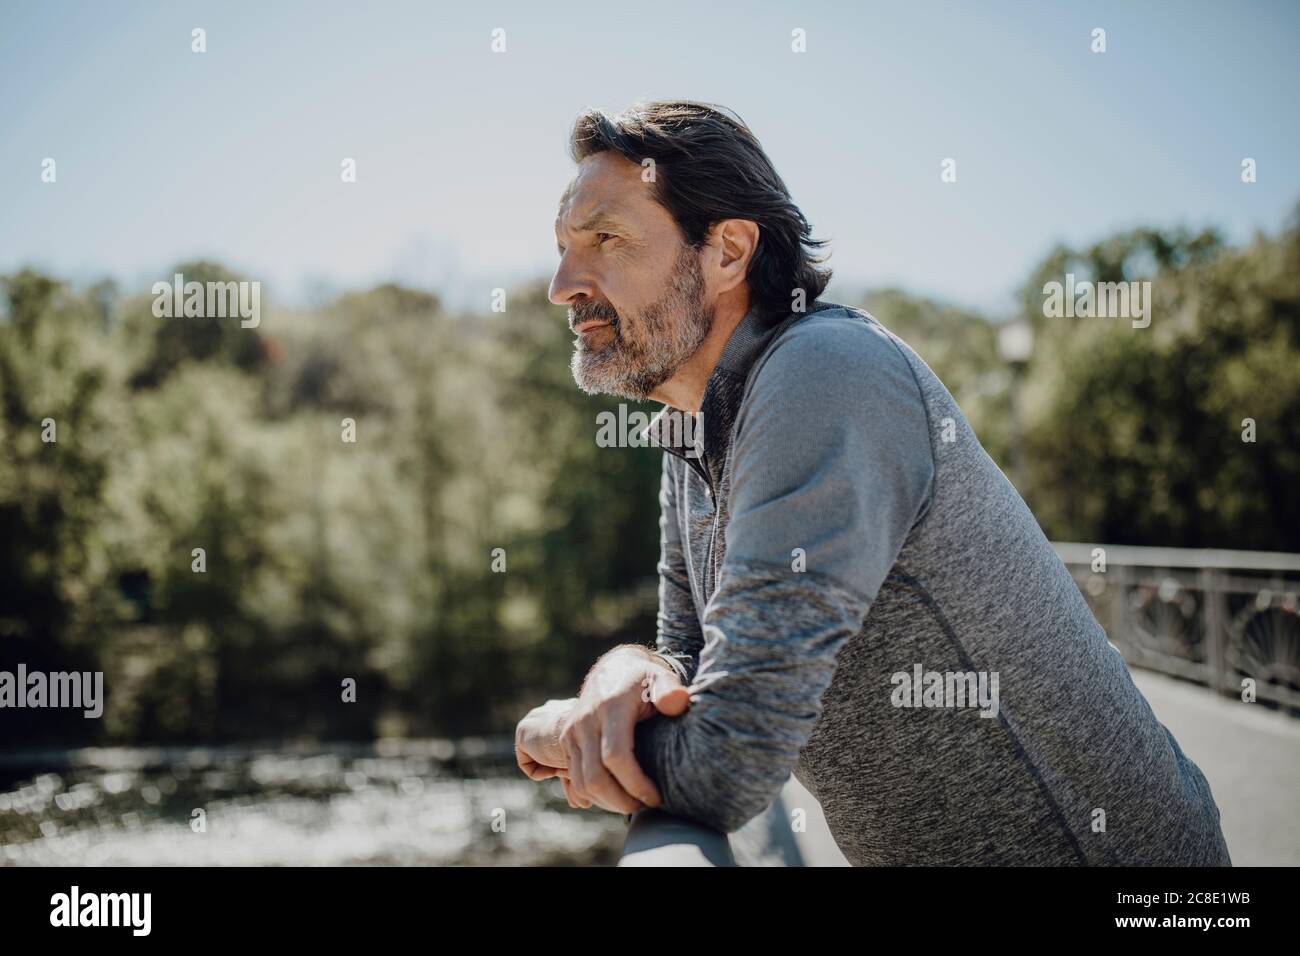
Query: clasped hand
{"x": 588, "y": 741}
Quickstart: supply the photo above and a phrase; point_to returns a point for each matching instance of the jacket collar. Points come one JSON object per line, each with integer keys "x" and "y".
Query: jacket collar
{"x": 703, "y": 443}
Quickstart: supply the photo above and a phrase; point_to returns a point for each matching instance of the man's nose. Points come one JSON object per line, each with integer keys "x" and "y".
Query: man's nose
{"x": 568, "y": 283}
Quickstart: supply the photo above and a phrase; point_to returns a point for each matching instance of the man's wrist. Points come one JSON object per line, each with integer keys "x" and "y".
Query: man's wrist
{"x": 625, "y": 655}
{"x": 673, "y": 664}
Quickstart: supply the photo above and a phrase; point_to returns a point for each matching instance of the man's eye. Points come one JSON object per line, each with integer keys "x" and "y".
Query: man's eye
{"x": 602, "y": 236}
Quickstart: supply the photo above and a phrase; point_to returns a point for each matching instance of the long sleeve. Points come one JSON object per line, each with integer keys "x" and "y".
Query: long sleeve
{"x": 832, "y": 456}
{"x": 678, "y": 637}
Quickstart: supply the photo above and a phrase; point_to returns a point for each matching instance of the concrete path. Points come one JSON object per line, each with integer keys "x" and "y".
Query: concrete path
{"x": 1251, "y": 757}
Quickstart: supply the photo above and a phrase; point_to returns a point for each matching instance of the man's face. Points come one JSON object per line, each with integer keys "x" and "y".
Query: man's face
{"x": 636, "y": 295}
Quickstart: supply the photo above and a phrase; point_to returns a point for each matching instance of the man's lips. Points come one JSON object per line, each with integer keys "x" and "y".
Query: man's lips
{"x": 589, "y": 325}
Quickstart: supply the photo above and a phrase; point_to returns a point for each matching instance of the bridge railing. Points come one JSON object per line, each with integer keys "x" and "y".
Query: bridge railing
{"x": 1216, "y": 617}
{"x": 655, "y": 838}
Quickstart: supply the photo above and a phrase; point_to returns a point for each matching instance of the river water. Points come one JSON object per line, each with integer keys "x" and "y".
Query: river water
{"x": 393, "y": 803}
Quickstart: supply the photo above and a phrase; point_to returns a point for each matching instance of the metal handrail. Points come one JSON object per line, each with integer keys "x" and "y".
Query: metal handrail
{"x": 1207, "y": 615}
{"x": 1074, "y": 552}
{"x": 656, "y": 838}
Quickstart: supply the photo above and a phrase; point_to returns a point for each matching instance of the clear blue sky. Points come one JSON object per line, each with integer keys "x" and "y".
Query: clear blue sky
{"x": 164, "y": 154}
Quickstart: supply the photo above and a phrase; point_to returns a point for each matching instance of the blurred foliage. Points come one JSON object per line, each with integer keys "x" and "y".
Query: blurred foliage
{"x": 372, "y": 560}
{"x": 325, "y": 560}
{"x": 1134, "y": 435}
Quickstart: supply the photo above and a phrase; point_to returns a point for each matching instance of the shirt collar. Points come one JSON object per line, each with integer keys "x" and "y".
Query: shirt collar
{"x": 706, "y": 435}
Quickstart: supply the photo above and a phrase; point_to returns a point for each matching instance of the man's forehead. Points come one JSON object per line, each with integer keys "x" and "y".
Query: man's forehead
{"x": 600, "y": 189}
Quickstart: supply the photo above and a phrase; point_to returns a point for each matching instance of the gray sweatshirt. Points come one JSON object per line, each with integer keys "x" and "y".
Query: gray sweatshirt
{"x": 854, "y": 593}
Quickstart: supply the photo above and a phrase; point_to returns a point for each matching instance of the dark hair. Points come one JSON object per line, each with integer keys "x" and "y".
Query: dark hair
{"x": 710, "y": 167}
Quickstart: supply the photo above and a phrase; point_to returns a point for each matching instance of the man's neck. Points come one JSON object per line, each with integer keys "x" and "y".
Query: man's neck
{"x": 685, "y": 390}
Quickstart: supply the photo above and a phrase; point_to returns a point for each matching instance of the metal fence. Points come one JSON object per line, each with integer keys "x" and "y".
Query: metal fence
{"x": 1214, "y": 617}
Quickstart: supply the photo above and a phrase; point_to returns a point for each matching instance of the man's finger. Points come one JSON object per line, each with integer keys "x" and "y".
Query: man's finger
{"x": 668, "y": 695}
{"x": 528, "y": 765}
{"x": 600, "y": 786}
{"x": 573, "y": 783}
{"x": 539, "y": 771}
{"x": 576, "y": 800}
{"x": 618, "y": 754}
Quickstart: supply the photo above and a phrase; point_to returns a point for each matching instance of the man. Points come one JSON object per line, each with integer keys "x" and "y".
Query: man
{"x": 850, "y": 589}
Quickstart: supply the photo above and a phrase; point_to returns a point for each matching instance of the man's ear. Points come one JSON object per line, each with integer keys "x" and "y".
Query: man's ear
{"x": 735, "y": 242}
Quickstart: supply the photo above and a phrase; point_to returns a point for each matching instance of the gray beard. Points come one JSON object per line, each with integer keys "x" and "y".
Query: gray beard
{"x": 667, "y": 333}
